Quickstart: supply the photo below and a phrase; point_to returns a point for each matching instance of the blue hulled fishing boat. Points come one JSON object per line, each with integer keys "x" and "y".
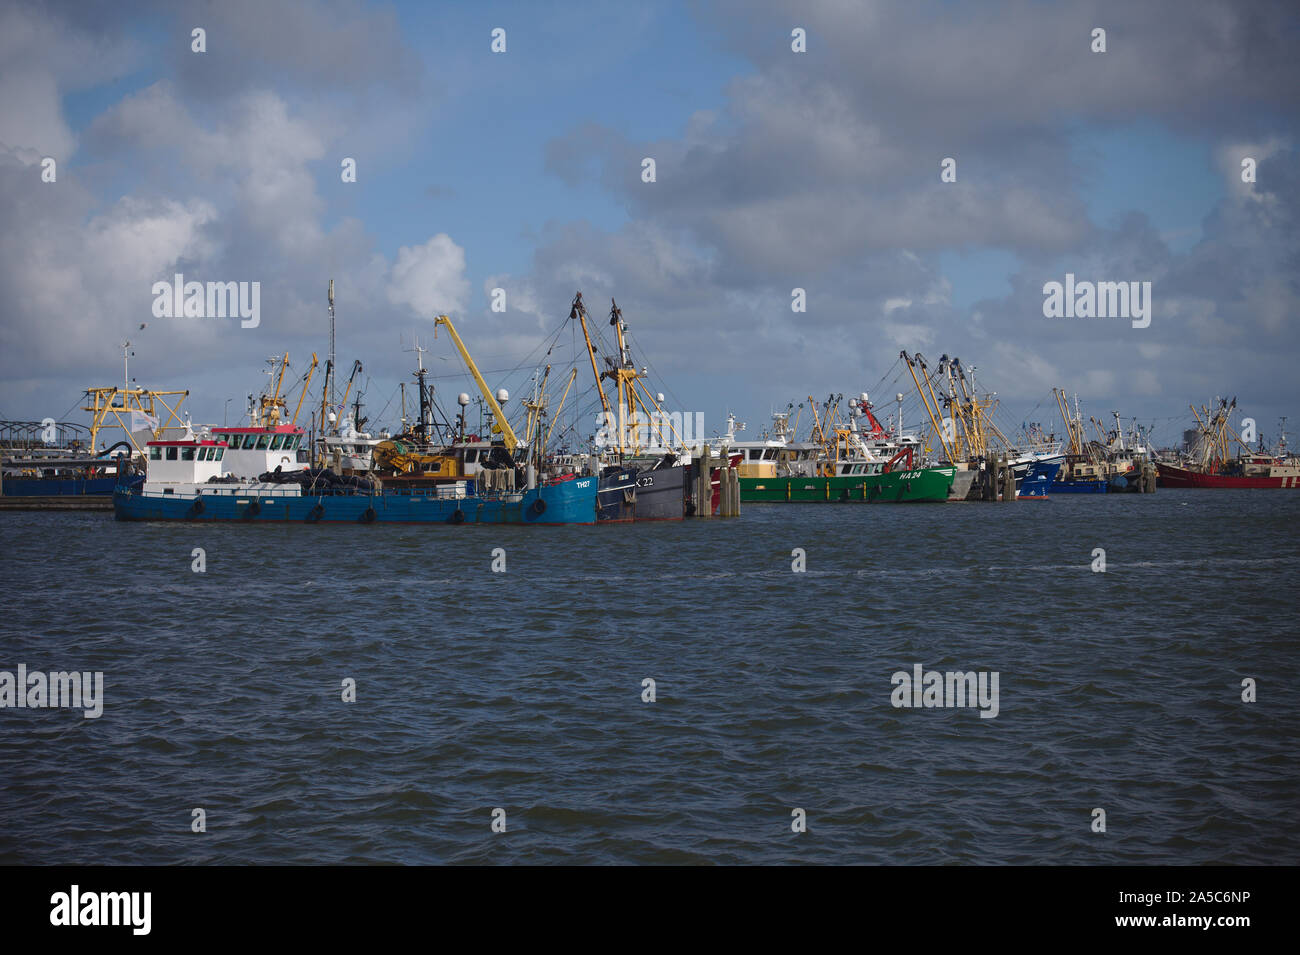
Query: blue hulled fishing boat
{"x": 1038, "y": 477}
{"x": 186, "y": 481}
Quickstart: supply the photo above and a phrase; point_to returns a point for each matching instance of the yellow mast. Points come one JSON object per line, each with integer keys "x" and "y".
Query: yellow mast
{"x": 930, "y": 388}
{"x": 816, "y": 434}
{"x": 626, "y": 378}
{"x": 1059, "y": 395}
{"x": 356, "y": 367}
{"x": 500, "y": 424}
{"x": 579, "y": 312}
{"x": 305, "y": 385}
{"x": 573, "y": 376}
{"x": 930, "y": 411}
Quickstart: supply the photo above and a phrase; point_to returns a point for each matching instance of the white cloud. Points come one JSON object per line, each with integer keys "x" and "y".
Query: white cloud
{"x": 430, "y": 279}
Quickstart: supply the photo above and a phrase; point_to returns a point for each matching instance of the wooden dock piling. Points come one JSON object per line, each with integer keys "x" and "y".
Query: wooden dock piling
{"x": 704, "y": 485}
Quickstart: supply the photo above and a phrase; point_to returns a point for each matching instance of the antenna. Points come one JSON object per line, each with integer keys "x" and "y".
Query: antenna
{"x": 419, "y": 354}
{"x": 331, "y": 377}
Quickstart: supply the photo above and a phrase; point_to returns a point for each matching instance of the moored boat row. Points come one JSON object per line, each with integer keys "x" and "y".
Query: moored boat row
{"x": 640, "y": 466}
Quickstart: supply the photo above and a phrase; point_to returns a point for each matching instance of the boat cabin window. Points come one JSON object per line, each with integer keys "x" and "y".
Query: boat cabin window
{"x": 171, "y": 454}
{"x": 187, "y": 454}
{"x": 471, "y": 455}
{"x": 277, "y": 442}
{"x": 263, "y": 442}
{"x": 221, "y": 453}
{"x": 155, "y": 454}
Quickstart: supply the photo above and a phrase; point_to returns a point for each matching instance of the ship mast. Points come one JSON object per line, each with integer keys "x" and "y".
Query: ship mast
{"x": 579, "y": 311}
{"x": 330, "y": 382}
{"x": 627, "y": 380}
{"x": 327, "y": 391}
{"x": 425, "y": 427}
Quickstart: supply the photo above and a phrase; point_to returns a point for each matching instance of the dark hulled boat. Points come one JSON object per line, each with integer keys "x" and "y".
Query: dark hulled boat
{"x": 635, "y": 485}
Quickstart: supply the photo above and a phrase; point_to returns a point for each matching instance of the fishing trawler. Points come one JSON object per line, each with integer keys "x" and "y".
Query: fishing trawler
{"x": 1208, "y": 462}
{"x": 968, "y": 436}
{"x": 263, "y": 472}
{"x": 186, "y": 480}
{"x": 888, "y": 443}
{"x": 837, "y": 464}
{"x": 1109, "y": 464}
{"x": 645, "y": 473}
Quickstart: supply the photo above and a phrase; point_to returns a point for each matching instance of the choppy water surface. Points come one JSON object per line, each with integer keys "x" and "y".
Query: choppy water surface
{"x": 475, "y": 690}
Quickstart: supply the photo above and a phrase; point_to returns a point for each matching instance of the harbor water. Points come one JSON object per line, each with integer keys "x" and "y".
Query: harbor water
{"x": 523, "y": 688}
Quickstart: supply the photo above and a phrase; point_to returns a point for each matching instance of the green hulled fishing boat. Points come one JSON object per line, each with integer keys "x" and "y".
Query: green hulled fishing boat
{"x": 839, "y": 463}
{"x": 919, "y": 484}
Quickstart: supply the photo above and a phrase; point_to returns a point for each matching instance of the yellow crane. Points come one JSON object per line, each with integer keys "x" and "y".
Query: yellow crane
{"x": 634, "y": 400}
{"x": 500, "y": 425}
{"x": 932, "y": 410}
{"x": 356, "y": 367}
{"x": 305, "y": 385}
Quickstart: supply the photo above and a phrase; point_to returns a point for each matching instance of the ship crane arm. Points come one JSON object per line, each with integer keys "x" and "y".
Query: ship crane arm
{"x": 502, "y": 425}
{"x": 305, "y": 385}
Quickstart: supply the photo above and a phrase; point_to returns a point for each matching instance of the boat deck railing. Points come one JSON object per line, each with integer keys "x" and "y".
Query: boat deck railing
{"x": 294, "y": 491}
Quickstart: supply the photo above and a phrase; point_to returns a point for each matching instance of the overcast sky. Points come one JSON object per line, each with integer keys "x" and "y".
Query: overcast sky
{"x": 775, "y": 170}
